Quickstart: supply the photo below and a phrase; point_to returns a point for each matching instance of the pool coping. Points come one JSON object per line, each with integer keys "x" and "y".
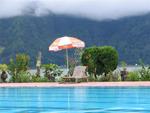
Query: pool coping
{"x": 83, "y": 84}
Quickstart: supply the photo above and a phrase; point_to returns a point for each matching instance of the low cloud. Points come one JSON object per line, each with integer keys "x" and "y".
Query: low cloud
{"x": 92, "y": 9}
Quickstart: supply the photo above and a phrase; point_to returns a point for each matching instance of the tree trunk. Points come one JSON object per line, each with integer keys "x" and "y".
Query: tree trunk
{"x": 95, "y": 76}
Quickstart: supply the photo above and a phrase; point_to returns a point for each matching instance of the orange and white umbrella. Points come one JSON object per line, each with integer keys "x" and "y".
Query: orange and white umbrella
{"x": 66, "y": 43}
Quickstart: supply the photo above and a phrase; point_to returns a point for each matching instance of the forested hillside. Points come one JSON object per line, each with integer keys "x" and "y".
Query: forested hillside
{"x": 29, "y": 34}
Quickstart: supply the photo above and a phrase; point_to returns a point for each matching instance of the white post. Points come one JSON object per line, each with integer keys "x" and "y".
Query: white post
{"x": 67, "y": 59}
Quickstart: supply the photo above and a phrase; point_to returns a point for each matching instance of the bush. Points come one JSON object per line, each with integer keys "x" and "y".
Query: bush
{"x": 145, "y": 74}
{"x": 88, "y": 59}
{"x": 116, "y": 76}
{"x": 105, "y": 78}
{"x": 109, "y": 77}
{"x": 107, "y": 59}
{"x": 100, "y": 60}
{"x": 21, "y": 77}
{"x": 91, "y": 78}
{"x": 51, "y": 71}
{"x": 27, "y": 77}
{"x": 39, "y": 79}
{"x": 3, "y": 67}
{"x": 133, "y": 76}
{"x": 19, "y": 64}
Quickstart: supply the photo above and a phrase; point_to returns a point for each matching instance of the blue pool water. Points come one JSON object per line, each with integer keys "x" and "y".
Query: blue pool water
{"x": 75, "y": 100}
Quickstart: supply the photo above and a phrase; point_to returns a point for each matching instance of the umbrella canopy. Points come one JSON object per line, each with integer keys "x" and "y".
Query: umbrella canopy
{"x": 66, "y": 43}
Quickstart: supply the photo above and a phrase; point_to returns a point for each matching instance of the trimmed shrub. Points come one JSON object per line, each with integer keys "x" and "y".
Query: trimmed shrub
{"x": 89, "y": 59}
{"x": 100, "y": 60}
{"x": 107, "y": 59}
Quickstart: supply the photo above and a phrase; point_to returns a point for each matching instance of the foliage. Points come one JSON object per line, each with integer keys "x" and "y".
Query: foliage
{"x": 27, "y": 77}
{"x": 107, "y": 60}
{"x": 89, "y": 59}
{"x": 21, "y": 33}
{"x": 105, "y": 78}
{"x": 100, "y": 59}
{"x": 111, "y": 76}
{"x": 21, "y": 77}
{"x": 75, "y": 60}
{"x": 91, "y": 78}
{"x": 19, "y": 64}
{"x": 17, "y": 68}
{"x": 39, "y": 79}
{"x": 116, "y": 76}
{"x": 22, "y": 62}
{"x": 144, "y": 71}
{"x": 51, "y": 71}
{"x": 123, "y": 64}
{"x": 3, "y": 67}
{"x": 133, "y": 76}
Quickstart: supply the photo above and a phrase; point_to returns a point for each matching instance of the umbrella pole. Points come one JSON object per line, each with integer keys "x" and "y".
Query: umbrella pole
{"x": 67, "y": 59}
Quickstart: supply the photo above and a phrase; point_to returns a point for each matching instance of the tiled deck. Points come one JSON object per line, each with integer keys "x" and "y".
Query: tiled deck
{"x": 85, "y": 84}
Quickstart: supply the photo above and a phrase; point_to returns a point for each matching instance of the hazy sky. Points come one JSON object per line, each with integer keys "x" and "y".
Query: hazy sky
{"x": 93, "y": 9}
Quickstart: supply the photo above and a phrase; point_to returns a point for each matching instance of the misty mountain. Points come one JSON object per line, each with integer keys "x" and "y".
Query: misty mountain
{"x": 30, "y": 34}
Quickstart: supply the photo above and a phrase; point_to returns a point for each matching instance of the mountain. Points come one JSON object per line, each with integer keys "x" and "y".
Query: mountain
{"x": 30, "y": 34}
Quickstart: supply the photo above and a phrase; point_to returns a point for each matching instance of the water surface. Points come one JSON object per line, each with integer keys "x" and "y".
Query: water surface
{"x": 75, "y": 100}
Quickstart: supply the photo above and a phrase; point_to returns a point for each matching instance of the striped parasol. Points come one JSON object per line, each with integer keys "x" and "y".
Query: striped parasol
{"x": 66, "y": 43}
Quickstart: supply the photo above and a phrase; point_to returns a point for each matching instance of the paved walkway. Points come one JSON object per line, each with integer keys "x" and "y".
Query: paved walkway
{"x": 85, "y": 84}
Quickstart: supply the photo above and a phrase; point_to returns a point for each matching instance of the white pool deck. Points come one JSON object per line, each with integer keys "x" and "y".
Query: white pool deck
{"x": 83, "y": 84}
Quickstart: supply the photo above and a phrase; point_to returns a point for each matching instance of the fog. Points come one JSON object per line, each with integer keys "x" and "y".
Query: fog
{"x": 92, "y": 9}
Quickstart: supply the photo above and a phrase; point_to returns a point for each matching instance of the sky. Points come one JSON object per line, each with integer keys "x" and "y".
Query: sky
{"x": 92, "y": 9}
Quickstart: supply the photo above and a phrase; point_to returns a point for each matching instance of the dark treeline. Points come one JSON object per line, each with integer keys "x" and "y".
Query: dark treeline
{"x": 29, "y": 34}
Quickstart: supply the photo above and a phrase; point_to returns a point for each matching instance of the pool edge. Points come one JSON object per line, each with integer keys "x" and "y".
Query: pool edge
{"x": 83, "y": 84}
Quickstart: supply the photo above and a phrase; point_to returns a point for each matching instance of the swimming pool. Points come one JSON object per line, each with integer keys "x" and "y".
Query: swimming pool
{"x": 75, "y": 100}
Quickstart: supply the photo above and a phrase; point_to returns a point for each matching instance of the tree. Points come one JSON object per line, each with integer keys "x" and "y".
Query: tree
{"x": 107, "y": 60}
{"x": 18, "y": 65}
{"x": 88, "y": 59}
{"x": 100, "y": 60}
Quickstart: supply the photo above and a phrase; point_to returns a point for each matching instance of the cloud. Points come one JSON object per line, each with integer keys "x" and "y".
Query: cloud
{"x": 92, "y": 9}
